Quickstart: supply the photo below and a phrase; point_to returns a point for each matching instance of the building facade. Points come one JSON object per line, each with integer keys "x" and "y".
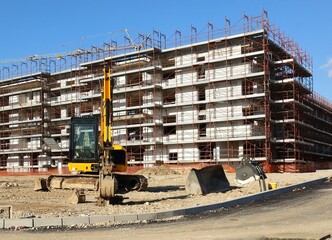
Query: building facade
{"x": 240, "y": 92}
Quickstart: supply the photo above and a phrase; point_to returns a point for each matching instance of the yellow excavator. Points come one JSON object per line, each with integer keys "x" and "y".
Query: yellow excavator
{"x": 98, "y": 163}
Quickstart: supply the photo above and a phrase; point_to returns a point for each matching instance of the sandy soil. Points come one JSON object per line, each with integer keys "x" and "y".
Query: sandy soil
{"x": 166, "y": 191}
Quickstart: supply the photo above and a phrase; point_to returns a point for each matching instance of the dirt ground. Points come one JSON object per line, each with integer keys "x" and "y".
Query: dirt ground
{"x": 166, "y": 191}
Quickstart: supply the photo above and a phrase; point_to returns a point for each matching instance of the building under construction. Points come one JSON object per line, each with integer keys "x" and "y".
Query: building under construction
{"x": 217, "y": 95}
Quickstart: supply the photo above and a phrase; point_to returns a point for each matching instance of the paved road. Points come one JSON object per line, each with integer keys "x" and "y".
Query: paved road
{"x": 303, "y": 214}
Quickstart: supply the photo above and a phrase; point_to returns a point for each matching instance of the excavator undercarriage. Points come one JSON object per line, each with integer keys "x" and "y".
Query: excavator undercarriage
{"x": 122, "y": 182}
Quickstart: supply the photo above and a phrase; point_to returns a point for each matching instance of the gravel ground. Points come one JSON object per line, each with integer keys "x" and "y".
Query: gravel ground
{"x": 166, "y": 191}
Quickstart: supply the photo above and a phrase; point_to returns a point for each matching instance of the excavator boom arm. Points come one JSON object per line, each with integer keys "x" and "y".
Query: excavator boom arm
{"x": 106, "y": 113}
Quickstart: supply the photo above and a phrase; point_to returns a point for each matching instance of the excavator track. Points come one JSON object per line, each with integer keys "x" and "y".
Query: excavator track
{"x": 126, "y": 182}
{"x": 79, "y": 181}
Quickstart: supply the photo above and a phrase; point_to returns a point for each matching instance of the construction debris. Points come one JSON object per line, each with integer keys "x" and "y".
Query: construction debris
{"x": 40, "y": 184}
{"x": 77, "y": 197}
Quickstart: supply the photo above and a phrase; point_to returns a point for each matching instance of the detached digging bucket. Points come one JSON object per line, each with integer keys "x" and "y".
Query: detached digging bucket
{"x": 206, "y": 180}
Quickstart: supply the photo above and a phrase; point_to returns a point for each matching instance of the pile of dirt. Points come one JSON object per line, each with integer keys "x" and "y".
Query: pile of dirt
{"x": 157, "y": 171}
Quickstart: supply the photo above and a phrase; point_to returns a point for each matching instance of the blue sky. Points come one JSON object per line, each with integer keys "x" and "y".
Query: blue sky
{"x": 42, "y": 27}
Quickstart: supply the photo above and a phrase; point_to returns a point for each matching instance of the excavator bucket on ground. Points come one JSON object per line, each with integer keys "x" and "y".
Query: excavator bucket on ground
{"x": 206, "y": 180}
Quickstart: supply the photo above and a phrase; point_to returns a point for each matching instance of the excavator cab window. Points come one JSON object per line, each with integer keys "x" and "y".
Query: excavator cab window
{"x": 84, "y": 140}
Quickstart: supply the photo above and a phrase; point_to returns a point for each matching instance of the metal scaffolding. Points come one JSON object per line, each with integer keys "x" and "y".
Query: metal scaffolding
{"x": 215, "y": 96}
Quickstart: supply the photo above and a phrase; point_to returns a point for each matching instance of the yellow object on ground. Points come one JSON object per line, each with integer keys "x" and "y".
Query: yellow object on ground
{"x": 272, "y": 186}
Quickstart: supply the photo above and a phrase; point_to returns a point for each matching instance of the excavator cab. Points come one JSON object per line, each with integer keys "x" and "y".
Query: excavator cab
{"x": 84, "y": 148}
{"x": 83, "y": 145}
